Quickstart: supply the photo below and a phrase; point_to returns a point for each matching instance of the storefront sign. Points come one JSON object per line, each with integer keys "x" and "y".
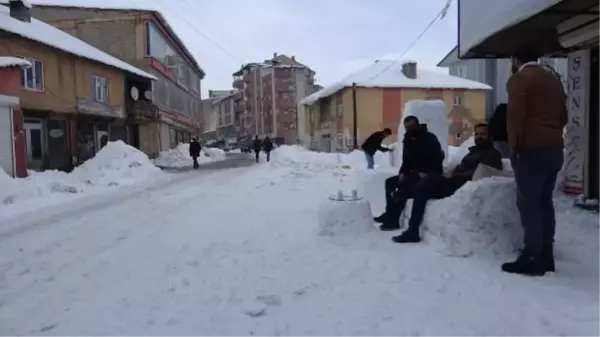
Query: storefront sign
{"x": 576, "y": 134}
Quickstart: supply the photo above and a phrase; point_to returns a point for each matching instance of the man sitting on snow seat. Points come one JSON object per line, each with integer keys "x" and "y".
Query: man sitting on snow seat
{"x": 422, "y": 155}
{"x": 436, "y": 186}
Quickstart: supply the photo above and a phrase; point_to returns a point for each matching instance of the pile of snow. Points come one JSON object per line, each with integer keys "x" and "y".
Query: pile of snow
{"x": 179, "y": 157}
{"x": 345, "y": 217}
{"x": 115, "y": 164}
{"x": 480, "y": 218}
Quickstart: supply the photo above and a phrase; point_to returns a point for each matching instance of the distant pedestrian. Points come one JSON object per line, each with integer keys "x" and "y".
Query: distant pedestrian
{"x": 373, "y": 143}
{"x": 268, "y": 147}
{"x": 195, "y": 149}
{"x": 536, "y": 117}
{"x": 257, "y": 145}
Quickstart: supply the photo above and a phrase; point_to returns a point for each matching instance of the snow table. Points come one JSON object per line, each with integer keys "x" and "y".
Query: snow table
{"x": 345, "y": 215}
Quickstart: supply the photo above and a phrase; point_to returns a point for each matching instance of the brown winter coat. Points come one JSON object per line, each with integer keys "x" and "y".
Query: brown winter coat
{"x": 536, "y": 113}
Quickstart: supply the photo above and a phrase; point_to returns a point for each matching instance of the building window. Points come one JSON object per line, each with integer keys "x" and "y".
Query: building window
{"x": 339, "y": 106}
{"x": 458, "y": 100}
{"x": 340, "y": 141}
{"x": 458, "y": 135}
{"x": 33, "y": 78}
{"x": 100, "y": 89}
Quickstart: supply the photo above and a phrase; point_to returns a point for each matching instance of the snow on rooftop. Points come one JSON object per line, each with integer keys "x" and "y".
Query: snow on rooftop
{"x": 479, "y": 19}
{"x": 388, "y": 74}
{"x": 9, "y": 61}
{"x": 39, "y": 31}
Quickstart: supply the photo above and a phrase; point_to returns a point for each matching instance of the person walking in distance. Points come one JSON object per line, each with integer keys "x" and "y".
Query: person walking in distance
{"x": 535, "y": 119}
{"x": 195, "y": 149}
{"x": 268, "y": 147}
{"x": 257, "y": 145}
{"x": 373, "y": 143}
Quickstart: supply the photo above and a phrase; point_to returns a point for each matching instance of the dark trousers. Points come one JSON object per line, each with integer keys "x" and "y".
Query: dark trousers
{"x": 257, "y": 154}
{"x": 195, "y": 159}
{"x": 268, "y": 155}
{"x": 397, "y": 193}
{"x": 431, "y": 187}
{"x": 536, "y": 171}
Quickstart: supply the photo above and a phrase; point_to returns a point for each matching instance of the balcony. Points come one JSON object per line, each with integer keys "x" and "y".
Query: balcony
{"x": 142, "y": 110}
{"x": 238, "y": 82}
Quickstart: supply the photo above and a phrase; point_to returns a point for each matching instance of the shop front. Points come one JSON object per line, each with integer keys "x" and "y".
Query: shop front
{"x": 96, "y": 125}
{"x": 566, "y": 28}
{"x": 47, "y": 140}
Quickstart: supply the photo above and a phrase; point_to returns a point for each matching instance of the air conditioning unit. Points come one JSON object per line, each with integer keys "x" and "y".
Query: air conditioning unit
{"x": 579, "y": 30}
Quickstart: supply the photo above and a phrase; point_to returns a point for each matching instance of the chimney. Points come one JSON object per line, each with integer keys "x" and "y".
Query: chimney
{"x": 293, "y": 58}
{"x": 274, "y": 55}
{"x": 20, "y": 10}
{"x": 409, "y": 69}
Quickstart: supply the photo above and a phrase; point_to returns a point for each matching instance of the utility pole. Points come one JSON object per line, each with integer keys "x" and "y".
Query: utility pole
{"x": 354, "y": 118}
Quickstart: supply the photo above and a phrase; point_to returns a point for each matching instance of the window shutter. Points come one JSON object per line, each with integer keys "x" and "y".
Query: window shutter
{"x": 105, "y": 90}
{"x": 93, "y": 88}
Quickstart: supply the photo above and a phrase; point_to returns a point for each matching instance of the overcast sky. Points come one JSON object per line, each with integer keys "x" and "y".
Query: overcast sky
{"x": 333, "y": 37}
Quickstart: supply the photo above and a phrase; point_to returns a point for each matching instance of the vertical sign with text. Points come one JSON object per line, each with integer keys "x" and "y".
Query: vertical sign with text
{"x": 576, "y": 131}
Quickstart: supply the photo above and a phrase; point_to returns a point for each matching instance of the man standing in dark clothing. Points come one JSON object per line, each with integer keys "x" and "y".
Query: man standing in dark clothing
{"x": 195, "y": 151}
{"x": 422, "y": 155}
{"x": 257, "y": 145}
{"x": 372, "y": 144}
{"x": 268, "y": 147}
{"x": 436, "y": 186}
{"x": 535, "y": 119}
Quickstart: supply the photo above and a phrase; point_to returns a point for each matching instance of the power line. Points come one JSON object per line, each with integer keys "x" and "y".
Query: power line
{"x": 208, "y": 38}
{"x": 441, "y": 14}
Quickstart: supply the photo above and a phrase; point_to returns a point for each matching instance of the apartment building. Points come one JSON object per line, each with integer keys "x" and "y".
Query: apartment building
{"x": 144, "y": 39}
{"x": 269, "y": 99}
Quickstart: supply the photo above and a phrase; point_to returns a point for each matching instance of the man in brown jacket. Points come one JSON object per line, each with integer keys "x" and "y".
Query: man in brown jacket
{"x": 536, "y": 117}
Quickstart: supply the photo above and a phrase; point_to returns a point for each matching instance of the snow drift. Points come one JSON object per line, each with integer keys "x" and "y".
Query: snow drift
{"x": 179, "y": 157}
{"x": 115, "y": 164}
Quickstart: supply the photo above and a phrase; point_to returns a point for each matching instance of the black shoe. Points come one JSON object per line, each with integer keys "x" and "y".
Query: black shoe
{"x": 548, "y": 258}
{"x": 409, "y": 236}
{"x": 389, "y": 226}
{"x": 381, "y": 218}
{"x": 526, "y": 264}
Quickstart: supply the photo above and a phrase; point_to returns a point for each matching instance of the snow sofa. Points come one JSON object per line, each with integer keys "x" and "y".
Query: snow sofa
{"x": 480, "y": 218}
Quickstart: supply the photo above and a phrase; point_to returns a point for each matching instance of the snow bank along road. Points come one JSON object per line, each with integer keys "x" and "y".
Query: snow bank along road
{"x": 58, "y": 213}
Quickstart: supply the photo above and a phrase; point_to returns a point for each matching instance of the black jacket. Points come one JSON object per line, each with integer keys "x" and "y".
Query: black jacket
{"x": 421, "y": 153}
{"x": 498, "y": 124}
{"x": 195, "y": 148}
{"x": 487, "y": 155}
{"x": 267, "y": 145}
{"x": 256, "y": 145}
{"x": 373, "y": 143}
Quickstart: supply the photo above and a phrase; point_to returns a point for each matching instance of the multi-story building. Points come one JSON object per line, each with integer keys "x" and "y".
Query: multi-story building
{"x": 142, "y": 38}
{"x": 224, "y": 108}
{"x": 494, "y": 72}
{"x": 270, "y": 98}
{"x": 74, "y": 98}
{"x": 210, "y": 113}
{"x": 382, "y": 90}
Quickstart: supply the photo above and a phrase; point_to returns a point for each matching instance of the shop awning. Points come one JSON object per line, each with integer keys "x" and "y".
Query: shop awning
{"x": 493, "y": 29}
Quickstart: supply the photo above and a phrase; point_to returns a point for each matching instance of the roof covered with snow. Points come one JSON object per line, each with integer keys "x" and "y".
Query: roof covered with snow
{"x": 115, "y": 5}
{"x": 44, "y": 33}
{"x": 9, "y": 61}
{"x": 388, "y": 74}
{"x": 479, "y": 19}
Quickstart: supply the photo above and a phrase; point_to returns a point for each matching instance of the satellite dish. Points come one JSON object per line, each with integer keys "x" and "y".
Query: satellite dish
{"x": 135, "y": 93}
{"x": 148, "y": 94}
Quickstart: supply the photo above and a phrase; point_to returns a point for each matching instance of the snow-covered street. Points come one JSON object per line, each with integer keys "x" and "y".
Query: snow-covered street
{"x": 236, "y": 252}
